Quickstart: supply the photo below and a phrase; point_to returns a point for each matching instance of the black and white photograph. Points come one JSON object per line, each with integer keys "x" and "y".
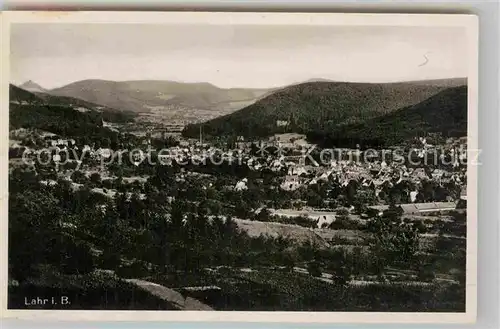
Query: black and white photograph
{"x": 241, "y": 162}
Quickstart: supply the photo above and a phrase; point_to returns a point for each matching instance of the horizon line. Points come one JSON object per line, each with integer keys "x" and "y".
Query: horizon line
{"x": 243, "y": 87}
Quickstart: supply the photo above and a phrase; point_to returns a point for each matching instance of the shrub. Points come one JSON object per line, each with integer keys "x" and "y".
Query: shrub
{"x": 314, "y": 268}
{"x": 426, "y": 273}
{"x": 345, "y": 224}
{"x": 134, "y": 270}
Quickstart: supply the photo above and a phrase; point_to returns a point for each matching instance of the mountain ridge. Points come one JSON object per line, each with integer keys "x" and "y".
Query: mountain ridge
{"x": 316, "y": 105}
{"x": 444, "y": 113}
{"x": 23, "y": 97}
{"x": 145, "y": 95}
{"x": 32, "y": 86}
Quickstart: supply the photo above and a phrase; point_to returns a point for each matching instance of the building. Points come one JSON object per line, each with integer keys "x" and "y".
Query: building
{"x": 281, "y": 123}
{"x": 297, "y": 170}
{"x": 325, "y": 219}
{"x": 462, "y": 202}
{"x": 319, "y": 217}
{"x": 438, "y": 173}
{"x": 463, "y": 193}
{"x": 104, "y": 152}
{"x": 291, "y": 183}
{"x": 413, "y": 196}
{"x": 241, "y": 185}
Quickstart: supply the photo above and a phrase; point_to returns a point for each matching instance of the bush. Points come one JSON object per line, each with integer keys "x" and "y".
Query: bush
{"x": 79, "y": 177}
{"x": 314, "y": 269}
{"x": 109, "y": 260}
{"x": 76, "y": 258}
{"x": 345, "y": 224}
{"x": 134, "y": 270}
{"x": 426, "y": 273}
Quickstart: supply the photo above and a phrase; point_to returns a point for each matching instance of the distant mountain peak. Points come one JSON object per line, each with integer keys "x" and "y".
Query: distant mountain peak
{"x": 32, "y": 86}
{"x": 319, "y": 80}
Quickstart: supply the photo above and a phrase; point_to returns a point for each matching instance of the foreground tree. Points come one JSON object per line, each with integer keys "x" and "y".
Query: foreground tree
{"x": 393, "y": 241}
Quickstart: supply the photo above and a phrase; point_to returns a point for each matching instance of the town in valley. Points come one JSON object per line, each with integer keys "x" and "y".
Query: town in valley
{"x": 313, "y": 195}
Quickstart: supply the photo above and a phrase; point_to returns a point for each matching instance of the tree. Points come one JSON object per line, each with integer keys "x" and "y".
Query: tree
{"x": 341, "y": 266}
{"x": 393, "y": 213}
{"x": 288, "y": 261}
{"x": 37, "y": 236}
{"x": 350, "y": 192}
{"x": 95, "y": 178}
{"x": 425, "y": 272}
{"x": 79, "y": 177}
{"x": 372, "y": 213}
{"x": 242, "y": 209}
{"x": 263, "y": 215}
{"x": 307, "y": 251}
{"x": 392, "y": 239}
{"x": 74, "y": 257}
{"x": 106, "y": 142}
{"x": 362, "y": 200}
{"x": 314, "y": 199}
{"x": 314, "y": 268}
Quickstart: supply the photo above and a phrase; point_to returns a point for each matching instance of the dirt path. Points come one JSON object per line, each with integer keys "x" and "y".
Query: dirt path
{"x": 170, "y": 296}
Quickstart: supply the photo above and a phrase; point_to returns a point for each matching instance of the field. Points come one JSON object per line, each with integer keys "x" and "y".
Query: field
{"x": 279, "y": 289}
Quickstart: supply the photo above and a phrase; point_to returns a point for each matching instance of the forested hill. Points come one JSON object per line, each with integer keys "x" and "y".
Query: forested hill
{"x": 19, "y": 95}
{"x": 32, "y": 111}
{"x": 23, "y": 97}
{"x": 318, "y": 106}
{"x": 445, "y": 113}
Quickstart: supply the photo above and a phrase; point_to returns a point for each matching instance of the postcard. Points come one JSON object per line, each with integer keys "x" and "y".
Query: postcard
{"x": 248, "y": 167}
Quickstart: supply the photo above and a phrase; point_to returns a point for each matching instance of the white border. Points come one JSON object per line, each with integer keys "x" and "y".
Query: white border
{"x": 469, "y": 22}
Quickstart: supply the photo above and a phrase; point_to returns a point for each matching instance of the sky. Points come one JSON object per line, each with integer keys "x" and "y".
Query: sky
{"x": 54, "y": 55}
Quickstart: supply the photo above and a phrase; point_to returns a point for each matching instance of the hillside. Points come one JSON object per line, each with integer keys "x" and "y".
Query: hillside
{"x": 61, "y": 120}
{"x": 28, "y": 110}
{"x": 149, "y": 95}
{"x": 20, "y": 95}
{"x": 445, "y": 113}
{"x": 316, "y": 106}
{"x": 62, "y": 116}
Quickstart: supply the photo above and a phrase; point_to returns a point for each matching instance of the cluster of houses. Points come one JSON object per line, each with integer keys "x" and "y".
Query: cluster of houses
{"x": 295, "y": 173}
{"x": 367, "y": 174}
{"x": 374, "y": 174}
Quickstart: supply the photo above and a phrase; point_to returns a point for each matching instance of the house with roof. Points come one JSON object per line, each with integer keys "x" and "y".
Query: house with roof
{"x": 301, "y": 143}
{"x": 104, "y": 152}
{"x": 241, "y": 185}
{"x": 413, "y": 196}
{"x": 419, "y": 174}
{"x": 438, "y": 173}
{"x": 297, "y": 170}
{"x": 324, "y": 220}
{"x": 281, "y": 123}
{"x": 325, "y": 176}
{"x": 291, "y": 183}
